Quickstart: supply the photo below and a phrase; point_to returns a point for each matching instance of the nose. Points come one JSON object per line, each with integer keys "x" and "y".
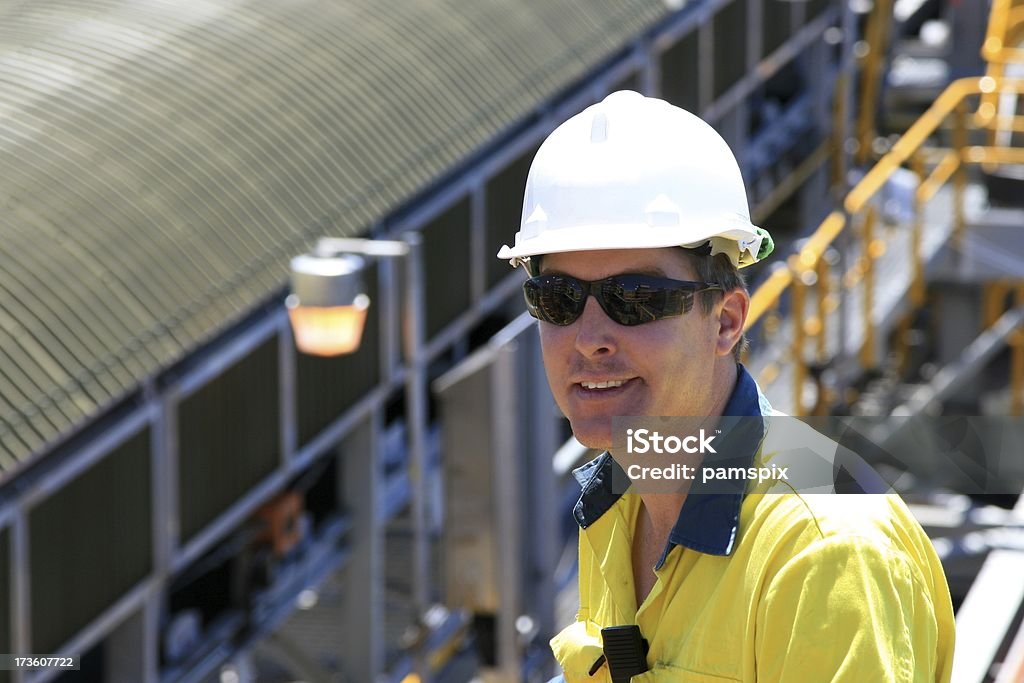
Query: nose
{"x": 595, "y": 331}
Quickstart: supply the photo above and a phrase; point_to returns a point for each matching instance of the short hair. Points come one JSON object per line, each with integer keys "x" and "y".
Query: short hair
{"x": 720, "y": 270}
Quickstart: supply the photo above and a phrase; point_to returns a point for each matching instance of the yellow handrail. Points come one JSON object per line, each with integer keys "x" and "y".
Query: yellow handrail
{"x": 1005, "y": 22}
{"x": 1005, "y": 31}
{"x": 771, "y": 290}
{"x": 871, "y": 65}
{"x": 1001, "y": 47}
{"x": 949, "y": 165}
{"x": 922, "y": 129}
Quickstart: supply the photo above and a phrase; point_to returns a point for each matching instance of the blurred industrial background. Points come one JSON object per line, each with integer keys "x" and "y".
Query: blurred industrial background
{"x": 185, "y": 496}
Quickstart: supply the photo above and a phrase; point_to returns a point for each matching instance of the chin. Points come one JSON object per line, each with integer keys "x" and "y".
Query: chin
{"x": 598, "y": 437}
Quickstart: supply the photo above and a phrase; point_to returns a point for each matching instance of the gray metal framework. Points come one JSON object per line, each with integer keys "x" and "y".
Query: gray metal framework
{"x": 363, "y": 423}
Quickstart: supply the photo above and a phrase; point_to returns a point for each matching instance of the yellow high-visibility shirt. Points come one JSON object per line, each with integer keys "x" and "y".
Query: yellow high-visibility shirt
{"x": 783, "y": 588}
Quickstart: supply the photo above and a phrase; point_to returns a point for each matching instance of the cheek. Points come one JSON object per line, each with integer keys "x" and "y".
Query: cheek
{"x": 547, "y": 345}
{"x": 553, "y": 347}
{"x": 670, "y": 349}
{"x": 556, "y": 364}
{"x": 660, "y": 341}
{"x": 554, "y": 340}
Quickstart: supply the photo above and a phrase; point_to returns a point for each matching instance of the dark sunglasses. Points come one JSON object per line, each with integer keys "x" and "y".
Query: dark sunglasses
{"x": 628, "y": 299}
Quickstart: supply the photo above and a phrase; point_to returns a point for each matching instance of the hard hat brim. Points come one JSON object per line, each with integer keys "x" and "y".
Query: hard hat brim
{"x": 743, "y": 234}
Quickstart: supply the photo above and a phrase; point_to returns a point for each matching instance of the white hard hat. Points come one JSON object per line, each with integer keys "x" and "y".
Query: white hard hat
{"x": 632, "y": 172}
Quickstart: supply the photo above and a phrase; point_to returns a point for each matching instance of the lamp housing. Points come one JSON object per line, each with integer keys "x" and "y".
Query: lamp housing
{"x": 328, "y": 304}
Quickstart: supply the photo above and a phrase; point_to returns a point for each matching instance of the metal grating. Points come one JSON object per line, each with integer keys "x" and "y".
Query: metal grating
{"x": 445, "y": 248}
{"x": 229, "y": 437}
{"x": 89, "y": 543}
{"x": 680, "y": 75}
{"x": 160, "y": 162}
{"x": 729, "y": 28}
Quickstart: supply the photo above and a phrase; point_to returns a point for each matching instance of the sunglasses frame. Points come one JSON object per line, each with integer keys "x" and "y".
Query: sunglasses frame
{"x": 678, "y": 299}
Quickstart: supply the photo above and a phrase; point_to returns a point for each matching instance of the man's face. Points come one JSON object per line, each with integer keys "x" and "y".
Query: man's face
{"x": 665, "y": 367}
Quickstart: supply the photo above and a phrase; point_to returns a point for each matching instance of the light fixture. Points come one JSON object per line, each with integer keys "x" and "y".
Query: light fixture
{"x": 327, "y": 306}
{"x": 328, "y": 303}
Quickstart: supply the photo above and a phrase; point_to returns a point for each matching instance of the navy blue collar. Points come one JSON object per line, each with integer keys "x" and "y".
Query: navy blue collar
{"x": 708, "y": 522}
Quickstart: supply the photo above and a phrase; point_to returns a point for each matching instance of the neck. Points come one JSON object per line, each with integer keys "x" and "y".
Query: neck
{"x": 662, "y": 511}
{"x": 663, "y": 508}
{"x": 723, "y": 383}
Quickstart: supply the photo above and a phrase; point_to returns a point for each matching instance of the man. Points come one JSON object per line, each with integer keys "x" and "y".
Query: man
{"x": 635, "y": 224}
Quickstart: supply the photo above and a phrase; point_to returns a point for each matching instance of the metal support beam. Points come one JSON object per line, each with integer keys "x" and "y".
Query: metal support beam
{"x": 360, "y": 488}
{"x": 508, "y": 465}
{"x": 164, "y": 482}
{"x": 416, "y": 426}
{"x": 287, "y": 400}
{"x": 973, "y": 358}
{"x": 541, "y": 480}
{"x": 20, "y": 587}
{"x": 986, "y": 615}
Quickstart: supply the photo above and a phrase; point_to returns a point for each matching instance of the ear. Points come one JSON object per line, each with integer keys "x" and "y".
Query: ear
{"x": 732, "y": 314}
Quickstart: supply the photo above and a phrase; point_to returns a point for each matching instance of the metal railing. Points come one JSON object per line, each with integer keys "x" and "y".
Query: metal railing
{"x": 872, "y": 74}
{"x": 1001, "y": 49}
{"x": 934, "y": 167}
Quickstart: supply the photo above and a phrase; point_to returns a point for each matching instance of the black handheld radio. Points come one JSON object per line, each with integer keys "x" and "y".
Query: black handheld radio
{"x": 625, "y": 650}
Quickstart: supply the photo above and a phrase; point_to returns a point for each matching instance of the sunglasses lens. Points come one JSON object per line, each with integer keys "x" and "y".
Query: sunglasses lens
{"x": 638, "y": 299}
{"x": 627, "y": 299}
{"x": 556, "y": 299}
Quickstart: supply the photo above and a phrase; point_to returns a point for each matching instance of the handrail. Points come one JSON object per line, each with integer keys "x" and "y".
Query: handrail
{"x": 1000, "y": 48}
{"x": 871, "y": 69}
{"x": 802, "y": 268}
{"x": 768, "y": 293}
{"x": 1006, "y": 20}
{"x": 917, "y": 135}
{"x": 809, "y": 267}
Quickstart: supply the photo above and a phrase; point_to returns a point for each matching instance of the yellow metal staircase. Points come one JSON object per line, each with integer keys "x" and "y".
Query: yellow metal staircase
{"x": 841, "y": 305}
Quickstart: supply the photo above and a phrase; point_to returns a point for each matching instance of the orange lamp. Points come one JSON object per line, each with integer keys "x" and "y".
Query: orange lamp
{"x": 327, "y": 307}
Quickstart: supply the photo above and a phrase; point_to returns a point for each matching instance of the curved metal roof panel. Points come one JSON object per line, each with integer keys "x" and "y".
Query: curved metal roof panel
{"x": 160, "y": 161}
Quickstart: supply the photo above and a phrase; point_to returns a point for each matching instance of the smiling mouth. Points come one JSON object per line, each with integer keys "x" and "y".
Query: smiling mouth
{"x": 605, "y": 389}
{"x": 603, "y": 385}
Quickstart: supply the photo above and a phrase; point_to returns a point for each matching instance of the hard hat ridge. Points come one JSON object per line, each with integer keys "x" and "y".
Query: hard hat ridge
{"x": 635, "y": 172}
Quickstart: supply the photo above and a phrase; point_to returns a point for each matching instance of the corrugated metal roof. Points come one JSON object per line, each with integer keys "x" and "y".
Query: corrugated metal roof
{"x": 160, "y": 161}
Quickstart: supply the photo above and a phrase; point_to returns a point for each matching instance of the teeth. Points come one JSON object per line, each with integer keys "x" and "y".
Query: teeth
{"x": 602, "y": 385}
